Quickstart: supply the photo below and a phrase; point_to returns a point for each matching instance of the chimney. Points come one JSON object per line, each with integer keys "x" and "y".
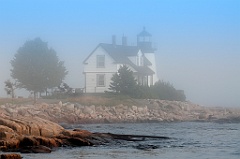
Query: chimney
{"x": 114, "y": 40}
{"x": 124, "y": 40}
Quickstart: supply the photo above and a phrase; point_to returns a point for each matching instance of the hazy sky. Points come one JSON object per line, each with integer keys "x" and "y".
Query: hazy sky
{"x": 198, "y": 41}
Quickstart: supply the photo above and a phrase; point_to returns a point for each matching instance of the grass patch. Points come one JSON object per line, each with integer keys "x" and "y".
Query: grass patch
{"x": 15, "y": 100}
{"x": 102, "y": 99}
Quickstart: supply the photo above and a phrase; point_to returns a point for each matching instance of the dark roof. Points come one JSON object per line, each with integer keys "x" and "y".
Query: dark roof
{"x": 143, "y": 70}
{"x": 120, "y": 54}
{"x": 146, "y": 61}
{"x": 144, "y": 33}
{"x": 84, "y": 62}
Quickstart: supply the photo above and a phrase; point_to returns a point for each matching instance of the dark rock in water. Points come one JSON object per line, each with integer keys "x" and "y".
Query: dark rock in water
{"x": 67, "y": 125}
{"x": 77, "y": 129}
{"x": 146, "y": 147}
{"x": 235, "y": 119}
{"x": 41, "y": 149}
{"x": 10, "y": 156}
{"x": 36, "y": 135}
{"x": 75, "y": 141}
{"x": 129, "y": 137}
{"x": 35, "y": 149}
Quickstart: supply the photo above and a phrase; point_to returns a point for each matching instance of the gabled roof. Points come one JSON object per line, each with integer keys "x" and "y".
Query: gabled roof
{"x": 143, "y": 70}
{"x": 84, "y": 62}
{"x": 120, "y": 54}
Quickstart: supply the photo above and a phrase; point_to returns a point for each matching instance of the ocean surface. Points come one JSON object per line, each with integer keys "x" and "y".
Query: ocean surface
{"x": 189, "y": 140}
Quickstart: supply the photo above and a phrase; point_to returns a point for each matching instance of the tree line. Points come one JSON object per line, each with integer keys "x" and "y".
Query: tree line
{"x": 37, "y": 68}
{"x": 123, "y": 82}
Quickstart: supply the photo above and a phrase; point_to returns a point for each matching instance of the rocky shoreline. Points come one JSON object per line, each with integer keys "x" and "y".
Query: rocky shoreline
{"x": 29, "y": 128}
{"x": 145, "y": 111}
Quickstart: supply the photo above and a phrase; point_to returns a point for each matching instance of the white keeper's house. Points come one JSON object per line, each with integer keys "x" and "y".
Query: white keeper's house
{"x": 106, "y": 59}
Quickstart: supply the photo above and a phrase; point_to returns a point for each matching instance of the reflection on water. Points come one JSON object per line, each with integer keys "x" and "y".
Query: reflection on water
{"x": 189, "y": 140}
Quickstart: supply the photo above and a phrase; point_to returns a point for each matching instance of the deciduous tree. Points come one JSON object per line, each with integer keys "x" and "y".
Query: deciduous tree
{"x": 10, "y": 87}
{"x": 166, "y": 91}
{"x": 37, "y": 67}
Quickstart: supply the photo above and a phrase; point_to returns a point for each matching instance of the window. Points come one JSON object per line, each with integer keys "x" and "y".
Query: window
{"x": 141, "y": 61}
{"x": 137, "y": 60}
{"x": 100, "y": 80}
{"x": 100, "y": 61}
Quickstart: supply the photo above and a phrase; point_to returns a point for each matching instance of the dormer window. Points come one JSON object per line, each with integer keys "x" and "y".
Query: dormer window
{"x": 139, "y": 59}
{"x": 100, "y": 61}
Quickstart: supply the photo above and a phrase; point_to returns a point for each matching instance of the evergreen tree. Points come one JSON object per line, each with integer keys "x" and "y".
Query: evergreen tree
{"x": 115, "y": 84}
{"x": 123, "y": 81}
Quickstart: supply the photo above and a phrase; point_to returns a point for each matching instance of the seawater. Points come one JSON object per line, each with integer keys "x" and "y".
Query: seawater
{"x": 189, "y": 140}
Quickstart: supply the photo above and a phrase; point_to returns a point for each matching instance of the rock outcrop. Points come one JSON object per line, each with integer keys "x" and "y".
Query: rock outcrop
{"x": 36, "y": 135}
{"x": 145, "y": 111}
{"x": 10, "y": 156}
{"x": 34, "y": 129}
{"x": 16, "y": 136}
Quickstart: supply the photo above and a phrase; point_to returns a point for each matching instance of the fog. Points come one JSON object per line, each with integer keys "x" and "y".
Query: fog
{"x": 198, "y": 42}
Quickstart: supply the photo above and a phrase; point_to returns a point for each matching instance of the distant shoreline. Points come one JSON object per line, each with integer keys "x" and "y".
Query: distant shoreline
{"x": 90, "y": 110}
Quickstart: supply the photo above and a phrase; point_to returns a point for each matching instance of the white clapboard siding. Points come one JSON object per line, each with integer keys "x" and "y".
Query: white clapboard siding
{"x": 91, "y": 82}
{"x": 91, "y": 63}
{"x": 151, "y": 58}
{"x": 91, "y": 71}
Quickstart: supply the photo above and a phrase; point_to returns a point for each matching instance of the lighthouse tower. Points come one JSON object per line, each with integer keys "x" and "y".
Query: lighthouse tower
{"x": 145, "y": 44}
